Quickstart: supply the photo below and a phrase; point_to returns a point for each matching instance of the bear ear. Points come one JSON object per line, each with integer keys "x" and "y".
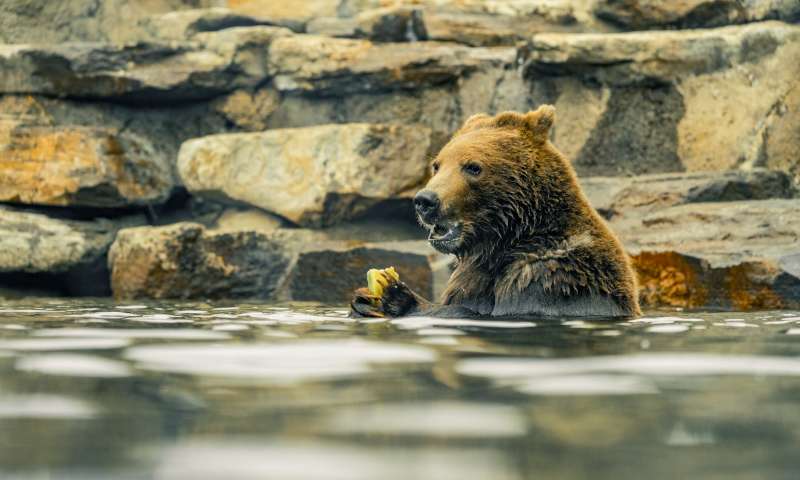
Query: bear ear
{"x": 475, "y": 121}
{"x": 540, "y": 121}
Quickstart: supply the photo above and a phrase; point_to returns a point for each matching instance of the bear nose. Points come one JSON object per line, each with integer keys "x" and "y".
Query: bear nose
{"x": 427, "y": 203}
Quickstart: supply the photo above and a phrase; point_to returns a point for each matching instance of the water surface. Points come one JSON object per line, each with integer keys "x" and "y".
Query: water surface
{"x": 97, "y": 390}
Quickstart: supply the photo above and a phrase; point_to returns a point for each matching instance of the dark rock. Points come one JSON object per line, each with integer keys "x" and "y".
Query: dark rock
{"x": 656, "y": 14}
{"x": 634, "y": 196}
{"x": 331, "y": 275}
{"x": 393, "y": 24}
{"x": 185, "y": 260}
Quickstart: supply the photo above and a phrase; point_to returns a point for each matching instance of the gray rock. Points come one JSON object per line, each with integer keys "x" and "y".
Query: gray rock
{"x": 217, "y": 62}
{"x": 655, "y": 14}
{"x": 54, "y": 255}
{"x": 185, "y": 260}
{"x": 184, "y": 24}
{"x": 45, "y": 21}
{"x": 634, "y": 196}
{"x": 666, "y": 56}
{"x": 35, "y": 243}
{"x": 313, "y": 176}
{"x": 393, "y": 24}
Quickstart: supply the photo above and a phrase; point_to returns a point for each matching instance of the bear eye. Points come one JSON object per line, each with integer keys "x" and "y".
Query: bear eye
{"x": 435, "y": 168}
{"x": 472, "y": 169}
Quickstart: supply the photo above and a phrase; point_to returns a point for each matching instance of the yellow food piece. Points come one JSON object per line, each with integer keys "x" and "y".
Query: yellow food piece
{"x": 378, "y": 280}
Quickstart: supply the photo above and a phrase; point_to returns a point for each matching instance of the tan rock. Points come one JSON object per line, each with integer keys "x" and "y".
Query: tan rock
{"x": 248, "y": 110}
{"x": 80, "y": 166}
{"x": 294, "y": 12}
{"x": 311, "y": 176}
{"x": 310, "y": 63}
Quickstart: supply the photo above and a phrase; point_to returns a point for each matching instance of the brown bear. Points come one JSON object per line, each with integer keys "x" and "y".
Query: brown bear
{"x": 507, "y": 204}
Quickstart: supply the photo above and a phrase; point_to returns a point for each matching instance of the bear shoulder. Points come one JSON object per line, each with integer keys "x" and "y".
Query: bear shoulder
{"x": 571, "y": 277}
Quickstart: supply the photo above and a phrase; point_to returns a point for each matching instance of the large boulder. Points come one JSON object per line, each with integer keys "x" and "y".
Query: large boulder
{"x": 740, "y": 255}
{"x": 657, "y": 14}
{"x": 80, "y": 166}
{"x": 312, "y": 176}
{"x": 666, "y": 101}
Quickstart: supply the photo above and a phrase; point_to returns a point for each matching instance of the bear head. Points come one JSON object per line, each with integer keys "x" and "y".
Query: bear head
{"x": 498, "y": 179}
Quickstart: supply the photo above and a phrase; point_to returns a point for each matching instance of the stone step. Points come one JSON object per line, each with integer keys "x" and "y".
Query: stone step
{"x": 314, "y": 176}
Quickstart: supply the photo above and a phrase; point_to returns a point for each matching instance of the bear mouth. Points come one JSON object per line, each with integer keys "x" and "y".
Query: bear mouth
{"x": 445, "y": 236}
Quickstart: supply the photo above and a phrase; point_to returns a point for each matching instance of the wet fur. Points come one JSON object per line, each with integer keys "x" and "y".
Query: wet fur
{"x": 532, "y": 243}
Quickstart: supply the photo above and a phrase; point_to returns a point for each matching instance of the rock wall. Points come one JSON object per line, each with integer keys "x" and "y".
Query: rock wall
{"x": 253, "y": 148}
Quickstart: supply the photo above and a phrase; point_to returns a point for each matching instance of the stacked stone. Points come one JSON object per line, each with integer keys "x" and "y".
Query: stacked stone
{"x": 251, "y": 149}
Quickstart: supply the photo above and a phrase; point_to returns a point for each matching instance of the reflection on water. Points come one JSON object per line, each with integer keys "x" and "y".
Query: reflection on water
{"x": 95, "y": 390}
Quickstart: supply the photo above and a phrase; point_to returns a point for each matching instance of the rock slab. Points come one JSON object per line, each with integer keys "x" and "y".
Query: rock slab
{"x": 314, "y": 176}
{"x": 80, "y": 166}
{"x": 184, "y": 260}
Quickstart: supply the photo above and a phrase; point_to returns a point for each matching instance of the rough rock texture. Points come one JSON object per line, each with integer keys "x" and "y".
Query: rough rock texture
{"x": 245, "y": 257}
{"x": 323, "y": 65}
{"x": 740, "y": 255}
{"x": 649, "y": 102}
{"x": 157, "y": 133}
{"x": 617, "y": 197}
{"x": 54, "y": 255}
{"x": 33, "y": 242}
{"x": 97, "y": 96}
{"x": 45, "y": 21}
{"x": 186, "y": 261}
{"x": 144, "y": 71}
{"x": 394, "y": 24}
{"x": 80, "y": 166}
{"x": 312, "y": 176}
{"x": 658, "y": 14}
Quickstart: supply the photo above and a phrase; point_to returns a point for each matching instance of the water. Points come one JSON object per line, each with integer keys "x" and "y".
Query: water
{"x": 97, "y": 390}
